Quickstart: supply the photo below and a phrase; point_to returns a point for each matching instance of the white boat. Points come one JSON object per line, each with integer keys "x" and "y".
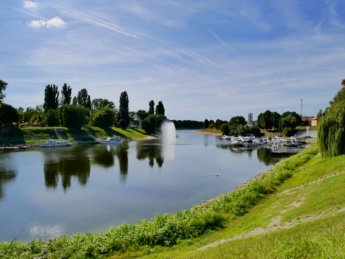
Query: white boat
{"x": 55, "y": 143}
{"x": 110, "y": 141}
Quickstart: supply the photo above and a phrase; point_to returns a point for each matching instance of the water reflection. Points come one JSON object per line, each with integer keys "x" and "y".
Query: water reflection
{"x": 103, "y": 156}
{"x": 266, "y": 156}
{"x": 7, "y": 175}
{"x": 152, "y": 152}
{"x": 66, "y": 165}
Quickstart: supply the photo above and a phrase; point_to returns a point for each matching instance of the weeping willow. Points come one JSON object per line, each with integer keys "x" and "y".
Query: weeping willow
{"x": 331, "y": 130}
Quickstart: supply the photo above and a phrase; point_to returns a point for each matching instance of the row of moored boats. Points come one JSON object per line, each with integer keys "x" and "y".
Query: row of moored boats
{"x": 251, "y": 141}
{"x": 61, "y": 143}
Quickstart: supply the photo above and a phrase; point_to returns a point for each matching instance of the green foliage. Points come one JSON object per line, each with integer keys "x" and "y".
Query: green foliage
{"x": 289, "y": 120}
{"x": 51, "y": 118}
{"x": 73, "y": 116}
{"x": 288, "y": 132}
{"x": 188, "y": 124}
{"x": 51, "y": 97}
{"x": 123, "y": 115}
{"x": 103, "y": 118}
{"x": 3, "y": 86}
{"x": 83, "y": 99}
{"x": 151, "y": 107}
{"x": 331, "y": 129}
{"x": 206, "y": 123}
{"x": 142, "y": 114}
{"x": 269, "y": 120}
{"x": 66, "y": 94}
{"x": 160, "y": 110}
{"x": 237, "y": 120}
{"x": 101, "y": 103}
{"x": 152, "y": 123}
{"x": 8, "y": 114}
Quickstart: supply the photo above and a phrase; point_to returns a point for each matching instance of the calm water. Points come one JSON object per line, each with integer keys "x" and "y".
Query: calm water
{"x": 45, "y": 193}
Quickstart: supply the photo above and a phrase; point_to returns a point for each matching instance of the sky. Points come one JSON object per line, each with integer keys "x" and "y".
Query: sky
{"x": 209, "y": 59}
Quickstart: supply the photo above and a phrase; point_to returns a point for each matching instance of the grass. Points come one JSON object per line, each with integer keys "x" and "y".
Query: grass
{"x": 303, "y": 218}
{"x": 34, "y": 135}
{"x": 211, "y": 131}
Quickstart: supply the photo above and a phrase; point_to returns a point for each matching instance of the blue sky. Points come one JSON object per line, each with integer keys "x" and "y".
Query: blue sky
{"x": 204, "y": 59}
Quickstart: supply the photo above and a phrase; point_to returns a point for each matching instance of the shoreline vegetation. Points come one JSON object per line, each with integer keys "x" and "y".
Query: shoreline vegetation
{"x": 33, "y": 136}
{"x": 188, "y": 232}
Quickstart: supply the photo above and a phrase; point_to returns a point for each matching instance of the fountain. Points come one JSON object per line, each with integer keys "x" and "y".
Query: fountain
{"x": 168, "y": 132}
{"x": 168, "y": 138}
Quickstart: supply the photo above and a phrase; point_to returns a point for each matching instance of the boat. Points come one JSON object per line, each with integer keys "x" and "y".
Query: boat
{"x": 110, "y": 141}
{"x": 55, "y": 143}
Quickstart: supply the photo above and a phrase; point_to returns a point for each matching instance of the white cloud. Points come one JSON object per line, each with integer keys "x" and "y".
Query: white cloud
{"x": 31, "y": 5}
{"x": 56, "y": 22}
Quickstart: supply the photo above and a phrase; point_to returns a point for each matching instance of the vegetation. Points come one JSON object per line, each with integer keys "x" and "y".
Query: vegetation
{"x": 331, "y": 129}
{"x": 3, "y": 86}
{"x": 188, "y": 124}
{"x": 51, "y": 98}
{"x": 123, "y": 116}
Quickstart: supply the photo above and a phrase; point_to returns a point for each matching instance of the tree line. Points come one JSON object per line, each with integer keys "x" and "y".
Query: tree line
{"x": 269, "y": 121}
{"x": 60, "y": 108}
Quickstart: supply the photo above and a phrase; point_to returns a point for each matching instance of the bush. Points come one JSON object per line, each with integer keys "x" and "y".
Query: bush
{"x": 103, "y": 118}
{"x": 72, "y": 116}
{"x": 51, "y": 118}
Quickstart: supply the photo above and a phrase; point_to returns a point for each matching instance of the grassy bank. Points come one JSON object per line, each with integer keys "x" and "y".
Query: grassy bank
{"x": 181, "y": 234}
{"x": 33, "y": 135}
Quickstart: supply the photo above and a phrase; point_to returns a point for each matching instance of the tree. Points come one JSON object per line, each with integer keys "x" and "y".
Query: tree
{"x": 3, "y": 86}
{"x": 206, "y": 123}
{"x": 123, "y": 115}
{"x": 51, "y": 118}
{"x": 331, "y": 130}
{"x": 51, "y": 97}
{"x": 265, "y": 120}
{"x": 151, "y": 107}
{"x": 160, "y": 109}
{"x": 66, "y": 94}
{"x": 237, "y": 120}
{"x": 100, "y": 103}
{"x": 103, "y": 118}
{"x": 73, "y": 116}
{"x": 153, "y": 123}
{"x": 8, "y": 115}
{"x": 83, "y": 99}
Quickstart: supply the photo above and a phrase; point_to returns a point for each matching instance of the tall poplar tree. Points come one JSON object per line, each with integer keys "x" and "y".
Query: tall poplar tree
{"x": 123, "y": 115}
{"x": 51, "y": 97}
{"x": 151, "y": 107}
{"x": 160, "y": 109}
{"x": 66, "y": 94}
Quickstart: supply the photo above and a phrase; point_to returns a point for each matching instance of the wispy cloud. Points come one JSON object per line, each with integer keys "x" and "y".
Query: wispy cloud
{"x": 55, "y": 22}
{"x": 31, "y": 5}
{"x": 97, "y": 21}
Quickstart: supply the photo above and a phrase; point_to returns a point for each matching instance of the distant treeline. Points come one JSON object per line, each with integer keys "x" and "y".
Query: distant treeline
{"x": 188, "y": 124}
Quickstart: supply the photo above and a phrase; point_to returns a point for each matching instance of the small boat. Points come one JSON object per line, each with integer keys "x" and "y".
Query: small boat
{"x": 55, "y": 143}
{"x": 110, "y": 141}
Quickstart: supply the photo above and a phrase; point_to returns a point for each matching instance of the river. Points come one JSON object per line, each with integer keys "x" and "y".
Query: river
{"x": 46, "y": 193}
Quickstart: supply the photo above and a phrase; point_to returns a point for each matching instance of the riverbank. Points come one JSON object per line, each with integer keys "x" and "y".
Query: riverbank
{"x": 22, "y": 138}
{"x": 248, "y": 208}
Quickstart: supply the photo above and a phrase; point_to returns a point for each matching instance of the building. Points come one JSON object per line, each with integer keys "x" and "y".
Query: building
{"x": 250, "y": 119}
{"x": 311, "y": 120}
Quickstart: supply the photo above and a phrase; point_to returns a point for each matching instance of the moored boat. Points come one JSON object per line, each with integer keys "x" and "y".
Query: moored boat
{"x": 55, "y": 143}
